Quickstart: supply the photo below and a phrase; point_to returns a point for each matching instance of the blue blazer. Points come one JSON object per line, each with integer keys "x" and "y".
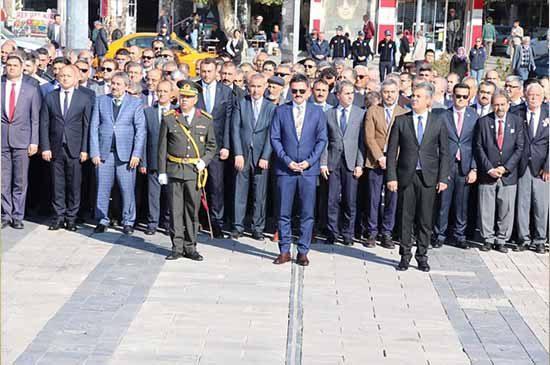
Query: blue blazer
{"x": 221, "y": 114}
{"x": 320, "y": 49}
{"x": 288, "y": 147}
{"x": 245, "y": 134}
{"x": 464, "y": 142}
{"x": 128, "y": 129}
{"x": 152, "y": 125}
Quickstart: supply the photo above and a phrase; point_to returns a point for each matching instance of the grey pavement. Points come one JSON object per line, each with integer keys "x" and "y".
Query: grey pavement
{"x": 83, "y": 298}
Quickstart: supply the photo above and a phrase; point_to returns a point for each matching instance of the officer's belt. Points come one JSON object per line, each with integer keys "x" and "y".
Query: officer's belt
{"x": 203, "y": 174}
{"x": 183, "y": 160}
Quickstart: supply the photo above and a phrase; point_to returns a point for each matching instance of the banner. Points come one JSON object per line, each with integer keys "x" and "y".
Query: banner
{"x": 32, "y": 23}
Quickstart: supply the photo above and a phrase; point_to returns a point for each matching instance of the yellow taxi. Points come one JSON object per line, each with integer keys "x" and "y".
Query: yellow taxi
{"x": 185, "y": 53}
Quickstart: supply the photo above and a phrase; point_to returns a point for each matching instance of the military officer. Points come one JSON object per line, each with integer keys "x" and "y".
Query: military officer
{"x": 339, "y": 45}
{"x": 360, "y": 50}
{"x": 187, "y": 144}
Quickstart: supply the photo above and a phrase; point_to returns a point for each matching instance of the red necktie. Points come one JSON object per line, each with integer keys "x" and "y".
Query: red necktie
{"x": 500, "y": 134}
{"x": 12, "y": 102}
{"x": 458, "y": 131}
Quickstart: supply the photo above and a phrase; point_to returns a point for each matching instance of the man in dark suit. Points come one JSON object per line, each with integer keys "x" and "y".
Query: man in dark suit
{"x": 342, "y": 162}
{"x": 461, "y": 122}
{"x": 228, "y": 73}
{"x": 20, "y": 136}
{"x": 534, "y": 171}
{"x": 298, "y": 137}
{"x": 56, "y": 32}
{"x": 117, "y": 139}
{"x": 158, "y": 208}
{"x": 101, "y": 41}
{"x": 252, "y": 147}
{"x": 64, "y": 122}
{"x": 499, "y": 148}
{"x": 418, "y": 167}
{"x": 217, "y": 100}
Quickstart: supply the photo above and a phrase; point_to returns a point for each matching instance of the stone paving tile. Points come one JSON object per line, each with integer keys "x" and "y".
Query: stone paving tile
{"x": 39, "y": 275}
{"x": 10, "y": 237}
{"x": 232, "y": 308}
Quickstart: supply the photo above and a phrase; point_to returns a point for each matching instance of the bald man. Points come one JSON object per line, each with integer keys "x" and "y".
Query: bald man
{"x": 64, "y": 121}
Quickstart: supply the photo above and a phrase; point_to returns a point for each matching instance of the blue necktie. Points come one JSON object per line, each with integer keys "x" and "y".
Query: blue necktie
{"x": 343, "y": 121}
{"x": 207, "y": 101}
{"x": 420, "y": 130}
{"x": 532, "y": 125}
{"x": 388, "y": 117}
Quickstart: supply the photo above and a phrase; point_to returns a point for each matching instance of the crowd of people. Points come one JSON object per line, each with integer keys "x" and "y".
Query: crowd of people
{"x": 346, "y": 152}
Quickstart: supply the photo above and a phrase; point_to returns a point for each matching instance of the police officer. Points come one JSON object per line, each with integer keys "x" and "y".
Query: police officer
{"x": 386, "y": 50}
{"x": 187, "y": 144}
{"x": 360, "y": 50}
{"x": 339, "y": 45}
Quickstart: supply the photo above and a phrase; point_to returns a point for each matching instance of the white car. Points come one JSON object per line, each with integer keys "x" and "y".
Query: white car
{"x": 540, "y": 44}
{"x": 25, "y": 43}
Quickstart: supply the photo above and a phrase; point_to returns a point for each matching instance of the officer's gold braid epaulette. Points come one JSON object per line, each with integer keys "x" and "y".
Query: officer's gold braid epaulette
{"x": 170, "y": 112}
{"x": 206, "y": 114}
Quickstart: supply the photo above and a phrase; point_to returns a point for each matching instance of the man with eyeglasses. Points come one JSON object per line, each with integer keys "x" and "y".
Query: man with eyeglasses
{"x": 342, "y": 162}
{"x": 514, "y": 87}
{"x": 107, "y": 69}
{"x": 284, "y": 71}
{"x": 310, "y": 68}
{"x": 167, "y": 54}
{"x": 362, "y": 77}
{"x": 484, "y": 94}
{"x": 117, "y": 141}
{"x": 499, "y": 148}
{"x": 298, "y": 138}
{"x": 135, "y": 53}
{"x": 461, "y": 121}
{"x": 147, "y": 60}
{"x": 157, "y": 46}
{"x": 329, "y": 75}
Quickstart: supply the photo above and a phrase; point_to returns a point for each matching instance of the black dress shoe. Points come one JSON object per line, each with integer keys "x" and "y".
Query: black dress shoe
{"x": 437, "y": 244}
{"x": 501, "y": 248}
{"x": 486, "y": 247}
{"x": 195, "y": 256}
{"x": 55, "y": 226}
{"x": 71, "y": 227}
{"x": 218, "y": 233}
{"x": 371, "y": 242}
{"x": 235, "y": 234}
{"x": 347, "y": 242}
{"x": 17, "y": 225}
{"x": 330, "y": 240}
{"x": 462, "y": 244}
{"x": 128, "y": 230}
{"x": 403, "y": 266}
{"x": 150, "y": 231}
{"x": 258, "y": 236}
{"x": 424, "y": 267}
{"x": 100, "y": 228}
{"x": 387, "y": 242}
{"x": 540, "y": 249}
{"x": 174, "y": 256}
{"x": 520, "y": 247}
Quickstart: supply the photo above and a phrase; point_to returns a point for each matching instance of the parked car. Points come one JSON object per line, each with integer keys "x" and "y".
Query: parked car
{"x": 185, "y": 53}
{"x": 501, "y": 43}
{"x": 542, "y": 66}
{"x": 24, "y": 43}
{"x": 540, "y": 45}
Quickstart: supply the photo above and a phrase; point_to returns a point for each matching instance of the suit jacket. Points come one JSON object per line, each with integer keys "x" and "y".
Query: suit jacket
{"x": 73, "y": 128}
{"x": 101, "y": 43}
{"x": 247, "y": 135}
{"x": 516, "y": 61}
{"x": 61, "y": 37}
{"x": 97, "y": 86}
{"x": 221, "y": 113}
{"x": 24, "y": 129}
{"x": 320, "y": 51}
{"x": 489, "y": 156}
{"x": 535, "y": 148}
{"x": 152, "y": 124}
{"x": 404, "y": 151}
{"x": 377, "y": 133}
{"x": 464, "y": 142}
{"x": 288, "y": 147}
{"x": 350, "y": 143}
{"x": 128, "y": 129}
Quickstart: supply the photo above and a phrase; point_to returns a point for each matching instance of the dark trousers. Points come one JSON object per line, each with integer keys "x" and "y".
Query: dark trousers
{"x": 416, "y": 204}
{"x": 456, "y": 194}
{"x": 15, "y": 170}
{"x": 342, "y": 197}
{"x": 158, "y": 204}
{"x": 215, "y": 188}
{"x": 66, "y": 180}
{"x": 401, "y": 62}
{"x": 385, "y": 69}
{"x": 305, "y": 186}
{"x": 382, "y": 203}
{"x": 87, "y": 190}
{"x": 255, "y": 179}
{"x": 184, "y": 214}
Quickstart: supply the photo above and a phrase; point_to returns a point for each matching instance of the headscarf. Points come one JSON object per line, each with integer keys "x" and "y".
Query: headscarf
{"x": 461, "y": 53}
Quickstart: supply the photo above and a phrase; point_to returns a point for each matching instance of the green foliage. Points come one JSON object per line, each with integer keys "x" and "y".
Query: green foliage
{"x": 441, "y": 66}
{"x": 270, "y": 2}
{"x": 503, "y": 69}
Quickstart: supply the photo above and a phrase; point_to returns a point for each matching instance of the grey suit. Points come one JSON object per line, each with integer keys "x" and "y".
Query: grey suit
{"x": 97, "y": 87}
{"x": 60, "y": 38}
{"x": 17, "y": 135}
{"x": 344, "y": 152}
{"x": 250, "y": 139}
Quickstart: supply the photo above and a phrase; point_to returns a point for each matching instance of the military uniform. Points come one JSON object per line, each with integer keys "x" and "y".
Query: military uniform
{"x": 360, "y": 52}
{"x": 177, "y": 159}
{"x": 339, "y": 45}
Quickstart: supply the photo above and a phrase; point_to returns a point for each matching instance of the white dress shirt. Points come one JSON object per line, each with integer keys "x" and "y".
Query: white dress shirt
{"x": 9, "y": 83}
{"x": 56, "y": 29}
{"x": 211, "y": 90}
{"x": 535, "y": 120}
{"x": 163, "y": 109}
{"x": 483, "y": 110}
{"x": 62, "y": 98}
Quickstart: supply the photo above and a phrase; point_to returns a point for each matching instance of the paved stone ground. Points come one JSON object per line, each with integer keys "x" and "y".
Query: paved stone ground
{"x": 78, "y": 298}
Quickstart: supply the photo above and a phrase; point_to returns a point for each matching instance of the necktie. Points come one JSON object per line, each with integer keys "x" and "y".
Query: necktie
{"x": 186, "y": 119}
{"x": 207, "y": 101}
{"x": 298, "y": 121}
{"x": 343, "y": 121}
{"x": 65, "y": 104}
{"x": 256, "y": 111}
{"x": 532, "y": 129}
{"x": 458, "y": 131}
{"x": 500, "y": 134}
{"x": 388, "y": 117}
{"x": 420, "y": 130}
{"x": 12, "y": 102}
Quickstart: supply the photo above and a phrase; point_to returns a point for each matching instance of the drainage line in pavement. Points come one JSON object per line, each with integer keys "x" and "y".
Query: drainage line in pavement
{"x": 295, "y": 316}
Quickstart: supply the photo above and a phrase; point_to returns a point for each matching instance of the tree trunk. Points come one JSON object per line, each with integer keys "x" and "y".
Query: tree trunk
{"x": 227, "y": 15}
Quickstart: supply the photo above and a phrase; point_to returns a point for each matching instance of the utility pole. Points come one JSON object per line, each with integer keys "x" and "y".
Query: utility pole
{"x": 418, "y": 15}
{"x": 76, "y": 23}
